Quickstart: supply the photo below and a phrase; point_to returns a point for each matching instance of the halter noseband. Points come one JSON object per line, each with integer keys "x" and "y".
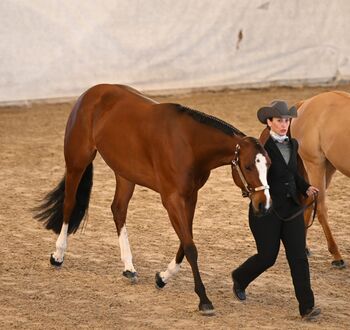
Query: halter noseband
{"x": 248, "y": 191}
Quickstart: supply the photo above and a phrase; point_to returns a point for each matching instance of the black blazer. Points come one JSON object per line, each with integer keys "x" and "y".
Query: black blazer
{"x": 284, "y": 181}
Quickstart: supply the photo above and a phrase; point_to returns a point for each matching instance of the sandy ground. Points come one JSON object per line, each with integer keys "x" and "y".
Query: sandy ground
{"x": 89, "y": 291}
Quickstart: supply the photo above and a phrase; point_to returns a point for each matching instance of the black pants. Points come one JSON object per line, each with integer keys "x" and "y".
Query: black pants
{"x": 268, "y": 231}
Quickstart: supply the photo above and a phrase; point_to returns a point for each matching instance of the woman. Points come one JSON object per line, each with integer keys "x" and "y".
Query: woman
{"x": 279, "y": 225}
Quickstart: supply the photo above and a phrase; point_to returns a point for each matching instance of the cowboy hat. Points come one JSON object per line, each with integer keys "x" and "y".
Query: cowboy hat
{"x": 278, "y": 109}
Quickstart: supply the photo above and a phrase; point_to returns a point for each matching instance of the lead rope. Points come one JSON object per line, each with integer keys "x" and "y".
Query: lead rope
{"x": 314, "y": 201}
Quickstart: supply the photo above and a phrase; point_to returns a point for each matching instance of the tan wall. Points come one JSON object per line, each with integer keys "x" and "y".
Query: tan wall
{"x": 57, "y": 48}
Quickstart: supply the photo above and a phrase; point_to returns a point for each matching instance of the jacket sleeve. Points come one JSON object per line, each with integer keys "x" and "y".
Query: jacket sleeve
{"x": 301, "y": 184}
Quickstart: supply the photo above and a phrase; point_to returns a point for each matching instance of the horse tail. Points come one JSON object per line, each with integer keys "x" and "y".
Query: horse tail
{"x": 50, "y": 212}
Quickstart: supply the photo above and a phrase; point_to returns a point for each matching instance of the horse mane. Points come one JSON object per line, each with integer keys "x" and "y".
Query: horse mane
{"x": 209, "y": 120}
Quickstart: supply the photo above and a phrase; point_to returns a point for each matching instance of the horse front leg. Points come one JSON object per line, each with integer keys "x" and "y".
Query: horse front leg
{"x": 320, "y": 176}
{"x": 162, "y": 278}
{"x": 322, "y": 214}
{"x": 123, "y": 193}
{"x": 308, "y": 223}
{"x": 181, "y": 210}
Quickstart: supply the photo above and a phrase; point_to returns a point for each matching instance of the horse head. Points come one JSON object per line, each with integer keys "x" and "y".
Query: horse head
{"x": 249, "y": 171}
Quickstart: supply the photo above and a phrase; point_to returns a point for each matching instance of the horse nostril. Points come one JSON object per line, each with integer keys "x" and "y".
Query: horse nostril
{"x": 261, "y": 207}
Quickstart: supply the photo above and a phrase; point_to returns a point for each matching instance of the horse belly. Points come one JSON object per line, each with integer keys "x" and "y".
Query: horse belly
{"x": 125, "y": 147}
{"x": 322, "y": 129}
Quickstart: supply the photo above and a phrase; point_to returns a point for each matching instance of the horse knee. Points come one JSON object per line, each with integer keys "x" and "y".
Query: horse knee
{"x": 191, "y": 252}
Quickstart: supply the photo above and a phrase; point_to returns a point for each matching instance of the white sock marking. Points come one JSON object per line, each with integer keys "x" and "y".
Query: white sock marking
{"x": 125, "y": 252}
{"x": 61, "y": 243}
{"x": 173, "y": 269}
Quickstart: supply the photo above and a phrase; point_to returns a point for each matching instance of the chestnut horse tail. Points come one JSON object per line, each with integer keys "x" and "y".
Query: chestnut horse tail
{"x": 51, "y": 210}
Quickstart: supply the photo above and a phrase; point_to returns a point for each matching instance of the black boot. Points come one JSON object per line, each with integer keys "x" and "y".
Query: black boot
{"x": 238, "y": 291}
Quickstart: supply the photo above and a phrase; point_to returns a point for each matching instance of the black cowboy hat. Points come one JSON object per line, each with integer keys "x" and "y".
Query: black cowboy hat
{"x": 278, "y": 109}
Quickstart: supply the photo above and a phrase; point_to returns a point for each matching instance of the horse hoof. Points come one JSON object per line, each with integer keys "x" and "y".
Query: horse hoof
{"x": 207, "y": 309}
{"x": 160, "y": 284}
{"x": 54, "y": 262}
{"x": 131, "y": 276}
{"x": 339, "y": 264}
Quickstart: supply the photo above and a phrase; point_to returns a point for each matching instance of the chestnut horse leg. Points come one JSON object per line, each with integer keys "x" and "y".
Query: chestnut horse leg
{"x": 123, "y": 193}
{"x": 320, "y": 176}
{"x": 162, "y": 278}
{"x": 79, "y": 155}
{"x": 72, "y": 181}
{"x": 181, "y": 210}
{"x": 307, "y": 222}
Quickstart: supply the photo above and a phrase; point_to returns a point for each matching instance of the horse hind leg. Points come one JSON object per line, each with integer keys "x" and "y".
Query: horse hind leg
{"x": 78, "y": 183}
{"x": 123, "y": 193}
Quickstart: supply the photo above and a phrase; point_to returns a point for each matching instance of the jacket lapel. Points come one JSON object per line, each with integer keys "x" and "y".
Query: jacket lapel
{"x": 293, "y": 151}
{"x": 271, "y": 144}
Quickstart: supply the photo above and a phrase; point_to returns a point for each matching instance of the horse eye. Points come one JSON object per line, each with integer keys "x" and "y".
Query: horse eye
{"x": 248, "y": 167}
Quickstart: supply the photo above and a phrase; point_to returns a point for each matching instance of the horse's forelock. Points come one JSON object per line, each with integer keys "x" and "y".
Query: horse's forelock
{"x": 255, "y": 143}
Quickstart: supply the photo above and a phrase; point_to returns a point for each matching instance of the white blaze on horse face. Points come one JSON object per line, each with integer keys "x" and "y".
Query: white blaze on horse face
{"x": 173, "y": 268}
{"x": 125, "y": 252}
{"x": 61, "y": 243}
{"x": 261, "y": 165}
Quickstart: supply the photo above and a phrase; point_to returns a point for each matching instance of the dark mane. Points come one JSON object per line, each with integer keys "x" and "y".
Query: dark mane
{"x": 212, "y": 121}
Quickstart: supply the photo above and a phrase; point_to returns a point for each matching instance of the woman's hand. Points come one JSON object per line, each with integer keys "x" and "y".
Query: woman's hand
{"x": 312, "y": 191}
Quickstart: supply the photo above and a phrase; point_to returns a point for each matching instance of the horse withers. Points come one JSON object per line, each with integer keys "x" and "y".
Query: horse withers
{"x": 166, "y": 147}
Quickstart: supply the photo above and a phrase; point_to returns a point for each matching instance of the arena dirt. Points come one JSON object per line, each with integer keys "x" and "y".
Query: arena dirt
{"x": 89, "y": 291}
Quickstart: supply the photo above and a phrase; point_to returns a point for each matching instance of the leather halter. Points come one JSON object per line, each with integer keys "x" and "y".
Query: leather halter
{"x": 248, "y": 191}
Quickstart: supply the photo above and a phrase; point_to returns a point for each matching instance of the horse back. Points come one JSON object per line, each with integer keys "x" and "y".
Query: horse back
{"x": 140, "y": 139}
{"x": 322, "y": 129}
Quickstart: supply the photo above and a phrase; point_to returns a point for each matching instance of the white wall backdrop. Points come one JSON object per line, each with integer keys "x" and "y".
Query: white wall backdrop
{"x": 59, "y": 48}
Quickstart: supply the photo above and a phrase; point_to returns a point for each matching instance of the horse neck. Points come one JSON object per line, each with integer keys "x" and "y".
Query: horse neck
{"x": 218, "y": 150}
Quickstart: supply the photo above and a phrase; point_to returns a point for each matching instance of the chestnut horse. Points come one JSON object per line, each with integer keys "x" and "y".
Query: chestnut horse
{"x": 166, "y": 147}
{"x": 322, "y": 129}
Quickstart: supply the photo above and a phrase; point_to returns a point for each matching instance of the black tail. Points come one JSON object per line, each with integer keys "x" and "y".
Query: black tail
{"x": 51, "y": 210}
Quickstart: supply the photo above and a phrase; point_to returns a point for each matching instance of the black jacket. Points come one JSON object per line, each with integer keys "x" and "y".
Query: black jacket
{"x": 284, "y": 181}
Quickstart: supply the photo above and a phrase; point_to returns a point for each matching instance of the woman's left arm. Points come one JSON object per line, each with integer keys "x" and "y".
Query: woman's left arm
{"x": 301, "y": 184}
{"x": 304, "y": 187}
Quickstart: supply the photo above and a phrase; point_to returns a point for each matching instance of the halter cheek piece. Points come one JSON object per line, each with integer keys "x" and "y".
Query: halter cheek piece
{"x": 248, "y": 191}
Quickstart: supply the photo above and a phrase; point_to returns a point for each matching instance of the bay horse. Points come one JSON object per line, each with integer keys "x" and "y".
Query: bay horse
{"x": 322, "y": 129}
{"x": 166, "y": 147}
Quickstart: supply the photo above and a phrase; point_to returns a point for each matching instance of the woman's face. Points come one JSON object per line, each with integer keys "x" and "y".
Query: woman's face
{"x": 279, "y": 125}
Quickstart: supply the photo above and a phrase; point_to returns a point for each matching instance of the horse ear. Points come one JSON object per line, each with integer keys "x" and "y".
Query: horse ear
{"x": 297, "y": 106}
{"x": 265, "y": 134}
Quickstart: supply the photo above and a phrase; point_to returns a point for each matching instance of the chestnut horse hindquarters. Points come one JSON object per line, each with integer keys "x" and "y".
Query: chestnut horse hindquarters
{"x": 322, "y": 130}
